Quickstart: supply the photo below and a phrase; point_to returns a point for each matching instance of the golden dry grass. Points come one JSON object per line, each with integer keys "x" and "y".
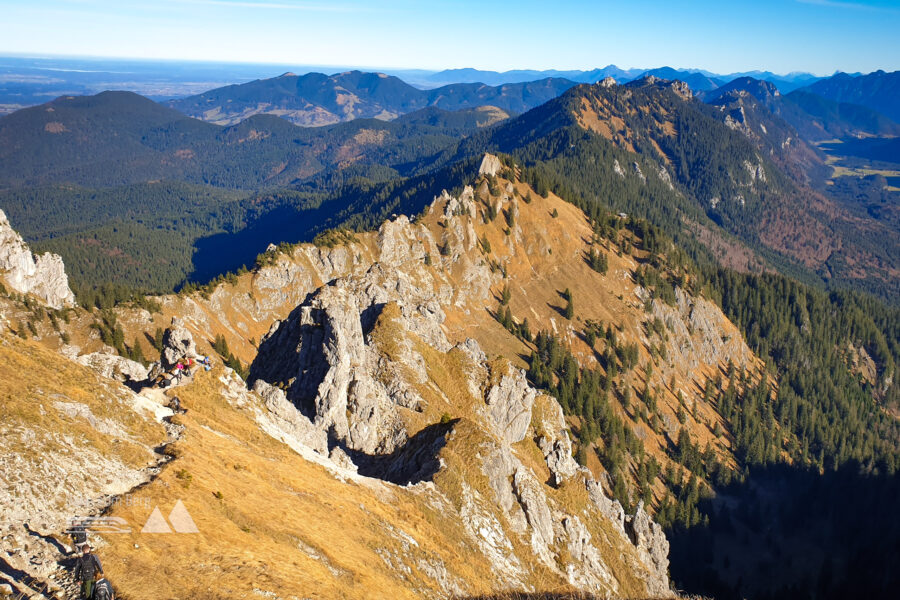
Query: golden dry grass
{"x": 34, "y": 379}
{"x": 273, "y": 505}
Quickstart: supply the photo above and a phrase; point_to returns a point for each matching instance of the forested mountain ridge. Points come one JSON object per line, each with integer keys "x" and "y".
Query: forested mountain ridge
{"x": 732, "y": 166}
{"x": 118, "y": 138}
{"x": 124, "y": 188}
{"x": 318, "y": 99}
{"x": 634, "y": 145}
{"x": 818, "y": 118}
{"x": 879, "y": 91}
{"x": 813, "y": 116}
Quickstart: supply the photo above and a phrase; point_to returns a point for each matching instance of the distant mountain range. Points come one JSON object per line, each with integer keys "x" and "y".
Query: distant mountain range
{"x": 522, "y": 75}
{"x": 815, "y": 117}
{"x": 698, "y": 79}
{"x": 318, "y": 99}
{"x": 847, "y": 105}
{"x": 879, "y": 91}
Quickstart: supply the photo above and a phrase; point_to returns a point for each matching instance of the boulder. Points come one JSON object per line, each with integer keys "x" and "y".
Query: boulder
{"x": 114, "y": 366}
{"x": 178, "y": 344}
{"x": 509, "y": 404}
{"x": 341, "y": 458}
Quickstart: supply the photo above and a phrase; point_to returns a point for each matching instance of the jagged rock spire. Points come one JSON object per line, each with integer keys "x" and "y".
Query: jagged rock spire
{"x": 43, "y": 276}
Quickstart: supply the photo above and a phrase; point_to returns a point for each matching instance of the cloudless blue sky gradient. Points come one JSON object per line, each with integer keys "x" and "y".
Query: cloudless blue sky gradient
{"x": 819, "y": 36}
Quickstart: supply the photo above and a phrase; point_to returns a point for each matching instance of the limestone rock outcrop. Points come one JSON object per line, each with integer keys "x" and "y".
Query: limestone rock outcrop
{"x": 651, "y": 542}
{"x": 607, "y": 82}
{"x": 490, "y": 165}
{"x": 321, "y": 353}
{"x": 509, "y": 404}
{"x": 43, "y": 276}
{"x": 353, "y": 368}
{"x": 178, "y": 344}
{"x": 291, "y": 418}
{"x": 558, "y": 454}
{"x": 699, "y": 333}
{"x": 553, "y": 440}
{"x": 114, "y": 366}
{"x": 681, "y": 89}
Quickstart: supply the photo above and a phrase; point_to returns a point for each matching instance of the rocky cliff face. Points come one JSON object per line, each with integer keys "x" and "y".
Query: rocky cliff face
{"x": 43, "y": 276}
{"x": 361, "y": 360}
{"x": 364, "y": 360}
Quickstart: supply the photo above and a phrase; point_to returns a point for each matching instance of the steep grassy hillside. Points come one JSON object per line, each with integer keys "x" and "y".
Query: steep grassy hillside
{"x": 482, "y": 499}
{"x": 666, "y": 400}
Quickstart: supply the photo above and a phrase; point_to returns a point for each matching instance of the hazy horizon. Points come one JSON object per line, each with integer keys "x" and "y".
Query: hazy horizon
{"x": 335, "y": 68}
{"x": 781, "y": 36}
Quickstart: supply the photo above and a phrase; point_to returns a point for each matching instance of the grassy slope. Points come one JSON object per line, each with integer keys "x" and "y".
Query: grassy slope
{"x": 271, "y": 521}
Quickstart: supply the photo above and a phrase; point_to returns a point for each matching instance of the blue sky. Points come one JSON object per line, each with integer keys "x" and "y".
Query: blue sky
{"x": 819, "y": 36}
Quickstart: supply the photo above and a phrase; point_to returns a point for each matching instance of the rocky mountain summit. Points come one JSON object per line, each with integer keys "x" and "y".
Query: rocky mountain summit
{"x": 42, "y": 276}
{"x": 359, "y": 358}
{"x": 388, "y": 436}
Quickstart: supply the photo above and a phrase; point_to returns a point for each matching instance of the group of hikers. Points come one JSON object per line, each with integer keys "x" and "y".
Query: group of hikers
{"x": 88, "y": 569}
{"x": 183, "y": 368}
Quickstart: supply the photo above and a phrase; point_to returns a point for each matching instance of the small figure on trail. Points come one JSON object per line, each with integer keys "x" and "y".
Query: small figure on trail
{"x": 86, "y": 569}
{"x": 175, "y": 405}
{"x": 103, "y": 589}
{"x": 207, "y": 364}
{"x": 78, "y": 531}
